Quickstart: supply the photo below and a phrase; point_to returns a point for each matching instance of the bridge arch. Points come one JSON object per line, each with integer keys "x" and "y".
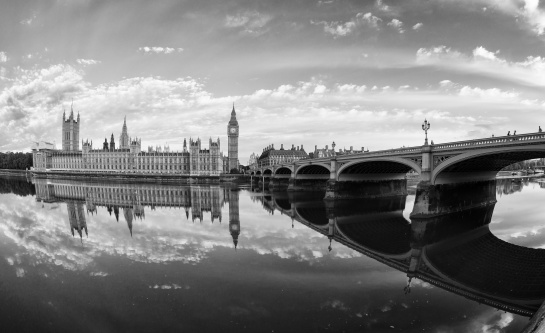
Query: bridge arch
{"x": 258, "y": 172}
{"x": 313, "y": 215}
{"x": 392, "y": 226}
{"x": 267, "y": 172}
{"x": 482, "y": 164}
{"x": 313, "y": 171}
{"x": 283, "y": 171}
{"x": 486, "y": 265}
{"x": 377, "y": 169}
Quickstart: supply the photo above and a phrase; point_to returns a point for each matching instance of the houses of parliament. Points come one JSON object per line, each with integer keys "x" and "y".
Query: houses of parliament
{"x": 128, "y": 156}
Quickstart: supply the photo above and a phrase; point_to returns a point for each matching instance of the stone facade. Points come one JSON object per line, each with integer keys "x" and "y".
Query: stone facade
{"x": 193, "y": 160}
{"x": 271, "y": 156}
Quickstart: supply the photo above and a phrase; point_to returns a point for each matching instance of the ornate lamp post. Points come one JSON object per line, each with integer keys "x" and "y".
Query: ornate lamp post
{"x": 333, "y": 148}
{"x": 426, "y": 127}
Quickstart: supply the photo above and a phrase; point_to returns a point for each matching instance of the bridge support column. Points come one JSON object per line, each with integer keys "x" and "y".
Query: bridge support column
{"x": 336, "y": 190}
{"x": 264, "y": 182}
{"x": 434, "y": 200}
{"x": 278, "y": 184}
{"x": 427, "y": 165}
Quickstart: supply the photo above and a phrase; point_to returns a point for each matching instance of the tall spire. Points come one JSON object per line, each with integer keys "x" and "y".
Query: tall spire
{"x": 124, "y": 140}
{"x": 233, "y": 121}
{"x": 72, "y": 109}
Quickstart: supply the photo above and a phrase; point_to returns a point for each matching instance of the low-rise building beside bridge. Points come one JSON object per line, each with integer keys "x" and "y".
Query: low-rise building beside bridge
{"x": 272, "y": 156}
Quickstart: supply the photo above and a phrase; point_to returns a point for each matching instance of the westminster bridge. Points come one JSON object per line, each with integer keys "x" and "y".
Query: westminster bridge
{"x": 455, "y": 162}
{"x": 454, "y": 251}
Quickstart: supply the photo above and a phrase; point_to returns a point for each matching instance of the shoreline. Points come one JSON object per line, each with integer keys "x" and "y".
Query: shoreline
{"x": 140, "y": 177}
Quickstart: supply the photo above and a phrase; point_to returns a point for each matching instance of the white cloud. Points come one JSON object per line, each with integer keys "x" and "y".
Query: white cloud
{"x": 493, "y": 93}
{"x": 250, "y": 22}
{"x": 481, "y": 52}
{"x": 535, "y": 15}
{"x": 528, "y": 12}
{"x": 88, "y": 62}
{"x": 397, "y": 25}
{"x": 424, "y": 55}
{"x": 530, "y": 71}
{"x": 339, "y": 29}
{"x": 29, "y": 20}
{"x": 381, "y": 6}
{"x": 418, "y": 26}
{"x": 3, "y": 56}
{"x": 160, "y": 49}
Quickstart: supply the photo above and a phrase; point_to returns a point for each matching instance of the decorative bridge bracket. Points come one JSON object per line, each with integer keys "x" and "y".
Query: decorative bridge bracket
{"x": 440, "y": 159}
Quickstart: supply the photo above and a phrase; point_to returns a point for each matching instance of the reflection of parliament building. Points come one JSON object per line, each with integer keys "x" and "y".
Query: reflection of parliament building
{"x": 131, "y": 199}
{"x": 193, "y": 160}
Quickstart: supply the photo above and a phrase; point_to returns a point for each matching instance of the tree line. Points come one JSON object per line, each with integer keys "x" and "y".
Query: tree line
{"x": 17, "y": 161}
{"x": 17, "y": 186}
{"x": 523, "y": 165}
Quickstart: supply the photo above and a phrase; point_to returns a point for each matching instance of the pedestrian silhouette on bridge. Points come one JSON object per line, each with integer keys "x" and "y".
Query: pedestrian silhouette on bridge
{"x": 540, "y": 129}
{"x": 515, "y": 132}
{"x": 508, "y": 133}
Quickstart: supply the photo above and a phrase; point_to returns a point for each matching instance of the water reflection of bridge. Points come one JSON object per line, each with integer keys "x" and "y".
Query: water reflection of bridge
{"x": 454, "y": 251}
{"x": 131, "y": 200}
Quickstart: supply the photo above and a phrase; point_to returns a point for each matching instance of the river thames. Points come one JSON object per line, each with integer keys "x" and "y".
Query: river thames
{"x": 115, "y": 257}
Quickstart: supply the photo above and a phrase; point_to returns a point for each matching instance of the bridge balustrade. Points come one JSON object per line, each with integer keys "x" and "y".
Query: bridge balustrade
{"x": 499, "y": 140}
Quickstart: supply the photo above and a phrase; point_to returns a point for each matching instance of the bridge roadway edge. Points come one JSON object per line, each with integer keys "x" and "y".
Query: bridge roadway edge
{"x": 537, "y": 321}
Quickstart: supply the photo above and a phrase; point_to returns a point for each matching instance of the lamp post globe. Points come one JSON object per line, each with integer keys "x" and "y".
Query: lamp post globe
{"x": 425, "y": 127}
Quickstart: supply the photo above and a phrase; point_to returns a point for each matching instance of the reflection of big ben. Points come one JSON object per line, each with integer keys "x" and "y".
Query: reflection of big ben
{"x": 232, "y": 135}
{"x": 234, "y": 222}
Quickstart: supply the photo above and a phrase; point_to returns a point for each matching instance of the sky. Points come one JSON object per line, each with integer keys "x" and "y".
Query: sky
{"x": 302, "y": 72}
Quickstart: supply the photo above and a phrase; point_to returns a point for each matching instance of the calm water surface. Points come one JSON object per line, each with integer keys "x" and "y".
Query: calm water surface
{"x": 155, "y": 258}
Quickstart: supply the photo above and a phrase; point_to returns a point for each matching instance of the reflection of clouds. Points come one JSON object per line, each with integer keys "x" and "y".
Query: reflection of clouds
{"x": 518, "y": 218}
{"x": 423, "y": 284}
{"x": 496, "y": 322}
{"x": 42, "y": 237}
{"x": 335, "y": 304}
{"x": 169, "y": 286}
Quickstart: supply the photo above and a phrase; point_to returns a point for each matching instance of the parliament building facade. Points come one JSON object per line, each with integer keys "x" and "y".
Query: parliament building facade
{"x": 128, "y": 156}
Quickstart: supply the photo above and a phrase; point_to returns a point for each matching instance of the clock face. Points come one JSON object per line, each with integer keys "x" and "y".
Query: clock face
{"x": 233, "y": 130}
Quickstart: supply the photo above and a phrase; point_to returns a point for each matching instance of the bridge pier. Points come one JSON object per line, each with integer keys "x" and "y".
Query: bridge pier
{"x": 264, "y": 182}
{"x": 434, "y": 200}
{"x": 306, "y": 185}
{"x": 278, "y": 184}
{"x": 336, "y": 190}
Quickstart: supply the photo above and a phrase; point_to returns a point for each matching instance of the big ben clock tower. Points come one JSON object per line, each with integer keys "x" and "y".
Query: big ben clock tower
{"x": 232, "y": 134}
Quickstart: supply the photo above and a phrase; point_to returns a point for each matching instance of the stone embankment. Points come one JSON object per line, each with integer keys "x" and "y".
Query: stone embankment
{"x": 12, "y": 172}
{"x": 141, "y": 177}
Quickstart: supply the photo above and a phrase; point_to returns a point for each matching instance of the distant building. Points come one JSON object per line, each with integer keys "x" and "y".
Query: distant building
{"x": 252, "y": 162}
{"x": 194, "y": 160}
{"x": 326, "y": 152}
{"x": 271, "y": 156}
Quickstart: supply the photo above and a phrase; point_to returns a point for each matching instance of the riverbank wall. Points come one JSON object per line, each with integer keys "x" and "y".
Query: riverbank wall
{"x": 13, "y": 172}
{"x": 142, "y": 177}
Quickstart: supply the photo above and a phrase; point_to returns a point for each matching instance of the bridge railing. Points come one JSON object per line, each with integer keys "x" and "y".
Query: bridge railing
{"x": 491, "y": 141}
{"x": 442, "y": 146}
